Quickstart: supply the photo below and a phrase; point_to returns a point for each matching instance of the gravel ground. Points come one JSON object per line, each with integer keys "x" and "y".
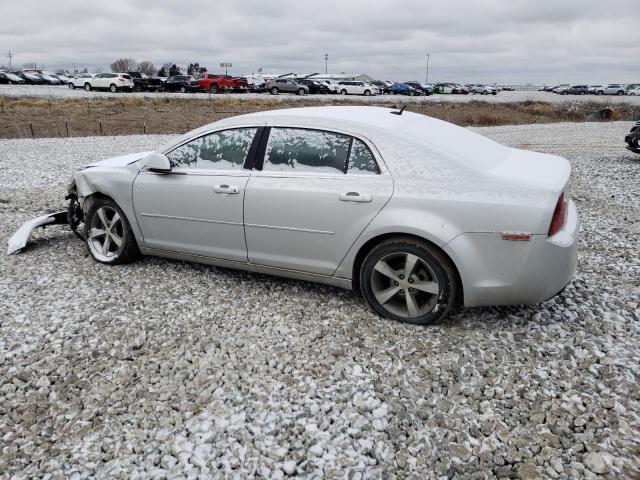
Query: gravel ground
{"x": 48, "y": 91}
{"x": 167, "y": 369}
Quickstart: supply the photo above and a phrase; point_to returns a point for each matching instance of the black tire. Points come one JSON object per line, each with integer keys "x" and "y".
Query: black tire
{"x": 71, "y": 86}
{"x": 128, "y": 251}
{"x": 113, "y": 88}
{"x": 343, "y": 92}
{"x": 600, "y": 92}
{"x": 183, "y": 89}
{"x": 620, "y": 92}
{"x": 367, "y": 93}
{"x": 301, "y": 91}
{"x": 87, "y": 87}
{"x": 274, "y": 91}
{"x": 213, "y": 88}
{"x": 137, "y": 88}
{"x": 439, "y": 264}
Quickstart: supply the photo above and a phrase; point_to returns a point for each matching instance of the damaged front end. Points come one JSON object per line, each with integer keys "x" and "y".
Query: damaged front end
{"x": 72, "y": 216}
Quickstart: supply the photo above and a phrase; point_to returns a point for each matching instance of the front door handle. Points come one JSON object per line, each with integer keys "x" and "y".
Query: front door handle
{"x": 355, "y": 197}
{"x": 229, "y": 189}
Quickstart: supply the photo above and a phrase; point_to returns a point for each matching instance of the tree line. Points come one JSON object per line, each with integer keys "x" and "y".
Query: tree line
{"x": 148, "y": 68}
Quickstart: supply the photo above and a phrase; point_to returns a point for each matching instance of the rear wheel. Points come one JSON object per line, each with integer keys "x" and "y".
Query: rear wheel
{"x": 113, "y": 88}
{"x": 600, "y": 92}
{"x": 87, "y": 87}
{"x": 71, "y": 86}
{"x": 213, "y": 88}
{"x": 620, "y": 92}
{"x": 409, "y": 281}
{"x": 183, "y": 89}
{"x": 108, "y": 234}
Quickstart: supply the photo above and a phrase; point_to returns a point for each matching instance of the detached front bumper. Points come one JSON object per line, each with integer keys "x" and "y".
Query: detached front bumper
{"x": 499, "y": 272}
{"x": 19, "y": 239}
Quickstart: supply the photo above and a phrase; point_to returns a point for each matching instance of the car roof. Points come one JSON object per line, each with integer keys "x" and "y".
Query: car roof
{"x": 411, "y": 134}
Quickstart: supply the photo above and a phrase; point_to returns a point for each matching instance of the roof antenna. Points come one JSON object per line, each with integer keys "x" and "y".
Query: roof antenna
{"x": 399, "y": 112}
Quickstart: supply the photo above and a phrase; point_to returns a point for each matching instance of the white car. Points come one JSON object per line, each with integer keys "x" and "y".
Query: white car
{"x": 611, "y": 89}
{"x": 634, "y": 91}
{"x": 78, "y": 80}
{"x": 417, "y": 213}
{"x": 114, "y": 82}
{"x": 483, "y": 89}
{"x": 353, "y": 87}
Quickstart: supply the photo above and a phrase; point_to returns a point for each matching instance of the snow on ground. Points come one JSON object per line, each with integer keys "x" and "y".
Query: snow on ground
{"x": 165, "y": 367}
{"x": 51, "y": 91}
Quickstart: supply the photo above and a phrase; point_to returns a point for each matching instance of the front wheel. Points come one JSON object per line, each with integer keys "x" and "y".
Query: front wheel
{"x": 108, "y": 234}
{"x": 87, "y": 87}
{"x": 183, "y": 89}
{"x": 274, "y": 91}
{"x": 113, "y": 88}
{"x": 71, "y": 86}
{"x": 343, "y": 92}
{"x": 213, "y": 89}
{"x": 600, "y": 92}
{"x": 409, "y": 281}
{"x": 301, "y": 91}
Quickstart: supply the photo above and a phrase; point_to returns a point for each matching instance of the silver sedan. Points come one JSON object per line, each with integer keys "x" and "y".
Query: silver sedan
{"x": 416, "y": 213}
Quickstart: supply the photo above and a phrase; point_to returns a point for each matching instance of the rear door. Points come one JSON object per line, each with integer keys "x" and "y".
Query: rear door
{"x": 198, "y": 207}
{"x": 314, "y": 195}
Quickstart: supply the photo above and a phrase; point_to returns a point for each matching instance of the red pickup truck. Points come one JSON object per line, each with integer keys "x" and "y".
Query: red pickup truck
{"x": 221, "y": 83}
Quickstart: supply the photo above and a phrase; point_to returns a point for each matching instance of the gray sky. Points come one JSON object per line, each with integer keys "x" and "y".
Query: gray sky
{"x": 516, "y": 41}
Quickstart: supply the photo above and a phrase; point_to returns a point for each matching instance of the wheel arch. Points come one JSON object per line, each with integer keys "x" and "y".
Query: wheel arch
{"x": 371, "y": 243}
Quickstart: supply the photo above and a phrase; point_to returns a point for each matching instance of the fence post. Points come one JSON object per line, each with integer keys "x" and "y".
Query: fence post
{"x": 31, "y": 127}
{"x": 100, "y": 128}
{"x": 66, "y": 126}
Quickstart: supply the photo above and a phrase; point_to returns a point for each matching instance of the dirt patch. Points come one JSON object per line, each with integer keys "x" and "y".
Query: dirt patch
{"x": 29, "y": 117}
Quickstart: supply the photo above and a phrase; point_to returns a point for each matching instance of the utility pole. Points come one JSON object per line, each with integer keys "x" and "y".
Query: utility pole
{"x": 326, "y": 62}
{"x": 10, "y": 55}
{"x": 426, "y": 79}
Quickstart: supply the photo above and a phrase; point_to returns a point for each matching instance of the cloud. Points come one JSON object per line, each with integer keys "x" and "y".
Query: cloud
{"x": 469, "y": 40}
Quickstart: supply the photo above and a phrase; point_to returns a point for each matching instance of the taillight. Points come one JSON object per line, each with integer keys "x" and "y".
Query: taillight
{"x": 559, "y": 216}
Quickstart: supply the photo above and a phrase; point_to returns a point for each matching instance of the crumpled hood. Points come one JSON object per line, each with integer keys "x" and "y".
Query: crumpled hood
{"x": 121, "y": 161}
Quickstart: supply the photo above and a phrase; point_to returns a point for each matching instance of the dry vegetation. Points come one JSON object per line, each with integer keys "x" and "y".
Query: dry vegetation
{"x": 26, "y": 117}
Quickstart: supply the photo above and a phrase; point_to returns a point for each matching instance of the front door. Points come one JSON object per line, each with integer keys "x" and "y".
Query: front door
{"x": 198, "y": 207}
{"x": 315, "y": 194}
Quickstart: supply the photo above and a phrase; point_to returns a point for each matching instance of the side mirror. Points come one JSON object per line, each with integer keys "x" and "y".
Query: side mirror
{"x": 158, "y": 163}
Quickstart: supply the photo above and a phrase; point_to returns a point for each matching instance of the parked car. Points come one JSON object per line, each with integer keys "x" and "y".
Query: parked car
{"x": 561, "y": 89}
{"x": 331, "y": 85}
{"x": 354, "y": 87}
{"x": 145, "y": 83}
{"x": 452, "y": 88}
{"x": 220, "y": 83}
{"x": 78, "y": 80}
{"x": 633, "y": 138}
{"x": 593, "y": 89}
{"x": 424, "y": 88}
{"x": 635, "y": 91}
{"x": 10, "y": 78}
{"x": 611, "y": 89}
{"x": 64, "y": 79}
{"x": 461, "y": 89}
{"x": 345, "y": 196}
{"x": 382, "y": 86}
{"x": 181, "y": 83}
{"x": 576, "y": 90}
{"x": 315, "y": 86}
{"x": 632, "y": 86}
{"x": 404, "y": 89}
{"x": 114, "y": 82}
{"x": 484, "y": 89}
{"x": 30, "y": 78}
{"x": 287, "y": 85}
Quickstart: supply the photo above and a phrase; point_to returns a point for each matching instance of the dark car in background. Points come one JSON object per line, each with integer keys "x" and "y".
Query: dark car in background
{"x": 633, "y": 138}
{"x": 143, "y": 82}
{"x": 181, "y": 83}
{"x": 31, "y": 78}
{"x": 383, "y": 87}
{"x": 315, "y": 87}
{"x": 404, "y": 89}
{"x": 576, "y": 90}
{"x": 10, "y": 78}
{"x": 419, "y": 86}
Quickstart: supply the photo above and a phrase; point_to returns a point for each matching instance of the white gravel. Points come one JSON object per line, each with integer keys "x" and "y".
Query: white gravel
{"x": 50, "y": 91}
{"x": 168, "y": 369}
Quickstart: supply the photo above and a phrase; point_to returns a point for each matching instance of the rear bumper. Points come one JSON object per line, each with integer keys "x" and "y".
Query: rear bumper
{"x": 499, "y": 272}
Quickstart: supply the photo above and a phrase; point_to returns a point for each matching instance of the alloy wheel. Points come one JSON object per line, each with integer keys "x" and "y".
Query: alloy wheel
{"x": 106, "y": 234}
{"x": 404, "y": 285}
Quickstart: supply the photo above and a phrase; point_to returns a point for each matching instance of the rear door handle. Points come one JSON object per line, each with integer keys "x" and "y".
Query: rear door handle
{"x": 355, "y": 197}
{"x": 229, "y": 189}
